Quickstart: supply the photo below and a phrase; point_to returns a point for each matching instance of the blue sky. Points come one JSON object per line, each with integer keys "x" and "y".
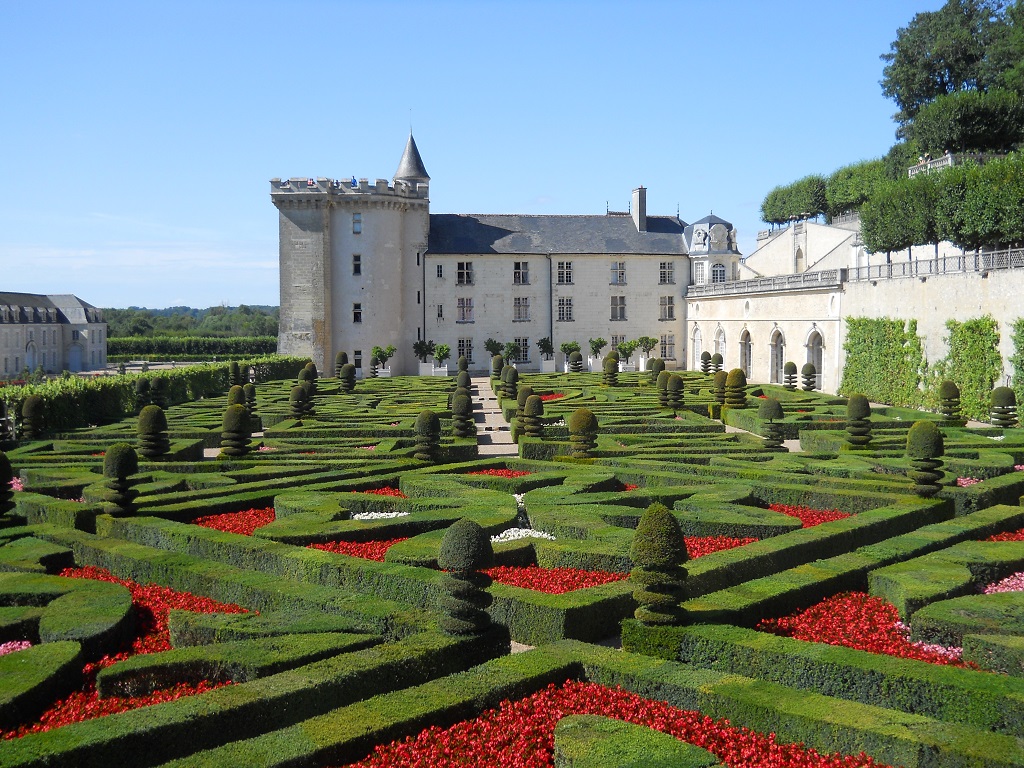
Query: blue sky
{"x": 139, "y": 138}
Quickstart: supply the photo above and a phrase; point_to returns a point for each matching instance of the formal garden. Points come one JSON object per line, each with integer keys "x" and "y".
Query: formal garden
{"x": 265, "y": 564}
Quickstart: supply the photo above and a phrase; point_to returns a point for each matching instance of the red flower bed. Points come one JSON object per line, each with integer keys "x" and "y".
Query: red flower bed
{"x": 698, "y": 546}
{"x": 1008, "y": 536}
{"x": 554, "y": 581}
{"x": 552, "y": 396}
{"x": 385, "y": 491}
{"x": 809, "y": 517}
{"x": 629, "y": 486}
{"x": 238, "y": 522}
{"x": 151, "y": 604}
{"x": 508, "y": 474}
{"x": 521, "y": 734}
{"x": 858, "y": 620}
{"x": 368, "y": 550}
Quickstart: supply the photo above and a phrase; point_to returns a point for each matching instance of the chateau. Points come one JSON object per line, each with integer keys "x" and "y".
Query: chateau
{"x": 59, "y": 332}
{"x": 366, "y": 265}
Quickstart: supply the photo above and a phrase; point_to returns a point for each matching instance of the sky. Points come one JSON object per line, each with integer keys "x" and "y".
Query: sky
{"x": 140, "y": 137}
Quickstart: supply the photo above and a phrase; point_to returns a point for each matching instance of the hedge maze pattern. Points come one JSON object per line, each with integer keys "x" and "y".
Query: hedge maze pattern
{"x": 291, "y": 652}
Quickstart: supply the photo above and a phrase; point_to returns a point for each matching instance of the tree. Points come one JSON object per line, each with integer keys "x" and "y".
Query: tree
{"x": 512, "y": 351}
{"x": 493, "y": 347}
{"x": 596, "y": 345}
{"x": 568, "y": 347}
{"x": 849, "y": 187}
{"x": 441, "y": 353}
{"x": 383, "y": 354}
{"x": 970, "y": 121}
{"x": 545, "y": 347}
{"x": 423, "y": 349}
{"x": 646, "y": 344}
{"x": 626, "y": 348}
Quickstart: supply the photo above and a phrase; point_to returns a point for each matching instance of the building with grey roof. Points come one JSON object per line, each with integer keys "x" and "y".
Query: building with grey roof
{"x": 57, "y": 332}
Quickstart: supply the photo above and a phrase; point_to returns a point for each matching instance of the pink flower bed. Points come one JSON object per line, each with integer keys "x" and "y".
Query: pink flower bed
{"x": 17, "y": 485}
{"x": 964, "y": 482}
{"x": 1013, "y": 583}
{"x": 14, "y": 645}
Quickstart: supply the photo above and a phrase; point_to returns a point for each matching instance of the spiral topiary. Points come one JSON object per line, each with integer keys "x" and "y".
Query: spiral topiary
{"x": 340, "y": 359}
{"x": 924, "y": 448}
{"x": 158, "y": 391}
{"x": 249, "y": 390}
{"x": 510, "y": 389}
{"x": 307, "y": 376}
{"x": 308, "y": 403}
{"x": 297, "y": 402}
{"x": 662, "y": 384}
{"x": 658, "y": 552}
{"x": 531, "y": 424}
{"x": 347, "y": 378}
{"x": 768, "y": 411}
{"x": 576, "y": 362}
{"x": 716, "y": 362}
{"x": 809, "y": 374}
{"x": 428, "y": 436}
{"x": 311, "y": 367}
{"x": 583, "y": 428}
{"x": 463, "y": 379}
{"x": 234, "y": 376}
{"x": 462, "y": 364}
{"x": 517, "y": 421}
{"x": 736, "y": 388}
{"x": 141, "y": 393}
{"x": 718, "y": 382}
{"x": 236, "y": 395}
{"x": 463, "y": 600}
{"x": 33, "y": 417}
{"x": 674, "y": 392}
{"x": 497, "y": 364}
{"x": 152, "y": 431}
{"x": 120, "y": 462}
{"x": 1003, "y": 407}
{"x": 858, "y": 423}
{"x": 610, "y": 372}
{"x": 236, "y": 431}
{"x": 6, "y": 477}
{"x": 462, "y": 416}
{"x": 949, "y": 401}
{"x": 705, "y": 363}
{"x": 655, "y": 366}
{"x": 789, "y": 376}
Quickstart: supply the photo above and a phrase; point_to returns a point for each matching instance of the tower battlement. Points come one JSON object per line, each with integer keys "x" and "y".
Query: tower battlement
{"x": 322, "y": 186}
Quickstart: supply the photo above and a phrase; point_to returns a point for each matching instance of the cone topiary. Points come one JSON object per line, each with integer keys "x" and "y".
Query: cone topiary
{"x": 576, "y": 362}
{"x": 809, "y": 374}
{"x": 789, "y": 376}
{"x": 531, "y": 424}
{"x": 583, "y": 428}
{"x": 949, "y": 401}
{"x": 120, "y": 462}
{"x": 141, "y": 393}
{"x": 236, "y": 395}
{"x": 158, "y": 392}
{"x": 236, "y": 432}
{"x": 718, "y": 382}
{"x": 6, "y": 477}
{"x": 924, "y": 448}
{"x": 497, "y": 364}
{"x": 716, "y": 362}
{"x": 340, "y": 359}
{"x": 768, "y": 412}
{"x": 858, "y": 423}
{"x": 655, "y": 366}
{"x": 662, "y": 384}
{"x": 33, "y": 417}
{"x": 465, "y": 552}
{"x": 462, "y": 363}
{"x": 610, "y": 372}
{"x": 674, "y": 392}
{"x": 736, "y": 388}
{"x": 428, "y": 436}
{"x": 658, "y": 552}
{"x": 463, "y": 380}
{"x": 1003, "y": 407}
{"x": 462, "y": 416}
{"x": 297, "y": 402}
{"x": 152, "y": 430}
{"x": 234, "y": 376}
{"x": 347, "y": 378}
{"x": 705, "y": 363}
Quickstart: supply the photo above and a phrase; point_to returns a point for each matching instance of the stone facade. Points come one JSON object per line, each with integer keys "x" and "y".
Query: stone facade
{"x": 57, "y": 332}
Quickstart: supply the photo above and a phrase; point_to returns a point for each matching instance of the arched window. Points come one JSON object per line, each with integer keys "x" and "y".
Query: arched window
{"x": 720, "y": 342}
{"x": 746, "y": 354}
{"x": 778, "y": 357}
{"x": 697, "y": 346}
{"x": 815, "y": 345}
{"x": 718, "y": 273}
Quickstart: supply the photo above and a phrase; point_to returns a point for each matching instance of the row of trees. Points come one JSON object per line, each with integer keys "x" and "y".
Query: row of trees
{"x": 187, "y": 321}
{"x": 845, "y": 189}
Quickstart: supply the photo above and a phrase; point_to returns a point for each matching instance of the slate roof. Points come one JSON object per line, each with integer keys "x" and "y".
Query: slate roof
{"x": 410, "y": 167}
{"x": 523, "y": 234}
{"x": 70, "y": 309}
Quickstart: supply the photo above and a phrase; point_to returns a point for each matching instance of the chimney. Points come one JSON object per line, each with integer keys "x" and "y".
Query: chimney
{"x": 639, "y": 209}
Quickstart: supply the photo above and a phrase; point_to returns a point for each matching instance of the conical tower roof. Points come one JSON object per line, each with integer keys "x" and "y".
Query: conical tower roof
{"x": 411, "y": 166}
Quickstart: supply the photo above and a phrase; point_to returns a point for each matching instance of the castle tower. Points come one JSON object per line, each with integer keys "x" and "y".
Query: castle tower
{"x": 351, "y": 264}
{"x": 714, "y": 255}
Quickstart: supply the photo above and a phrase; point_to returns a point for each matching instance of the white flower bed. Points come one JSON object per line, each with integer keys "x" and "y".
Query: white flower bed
{"x": 378, "y": 515}
{"x": 514, "y": 534}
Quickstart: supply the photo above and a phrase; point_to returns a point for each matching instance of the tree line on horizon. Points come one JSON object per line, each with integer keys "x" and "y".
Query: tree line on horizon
{"x": 221, "y": 322}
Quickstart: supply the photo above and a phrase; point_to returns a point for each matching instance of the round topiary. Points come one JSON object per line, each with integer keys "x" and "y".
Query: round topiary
{"x": 768, "y": 411}
{"x": 236, "y": 432}
{"x": 858, "y": 424}
{"x": 120, "y": 462}
{"x": 656, "y": 366}
{"x": 6, "y": 478}
{"x": 949, "y": 401}
{"x": 736, "y": 388}
{"x": 924, "y": 447}
{"x": 311, "y": 367}
{"x": 428, "y": 436}
{"x": 462, "y": 363}
{"x": 497, "y": 364}
{"x": 32, "y": 417}
{"x": 658, "y": 552}
{"x": 583, "y": 428}
{"x": 719, "y": 381}
{"x": 716, "y": 362}
{"x": 152, "y": 431}
{"x": 705, "y": 363}
{"x": 339, "y": 360}
{"x": 462, "y": 416}
{"x": 1003, "y": 407}
{"x": 576, "y": 362}
{"x": 789, "y": 376}
{"x": 614, "y": 355}
{"x": 465, "y": 551}
{"x": 347, "y": 378}
{"x": 463, "y": 380}
{"x": 236, "y": 395}
{"x": 674, "y": 392}
{"x": 610, "y": 371}
{"x": 234, "y": 376}
{"x": 809, "y": 374}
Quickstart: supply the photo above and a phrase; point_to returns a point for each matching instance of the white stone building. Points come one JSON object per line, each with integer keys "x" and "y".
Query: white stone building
{"x": 57, "y": 332}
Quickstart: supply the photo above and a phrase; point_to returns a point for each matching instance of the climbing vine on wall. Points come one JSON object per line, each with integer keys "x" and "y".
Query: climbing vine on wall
{"x": 973, "y": 363}
{"x": 884, "y": 360}
{"x": 1017, "y": 358}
